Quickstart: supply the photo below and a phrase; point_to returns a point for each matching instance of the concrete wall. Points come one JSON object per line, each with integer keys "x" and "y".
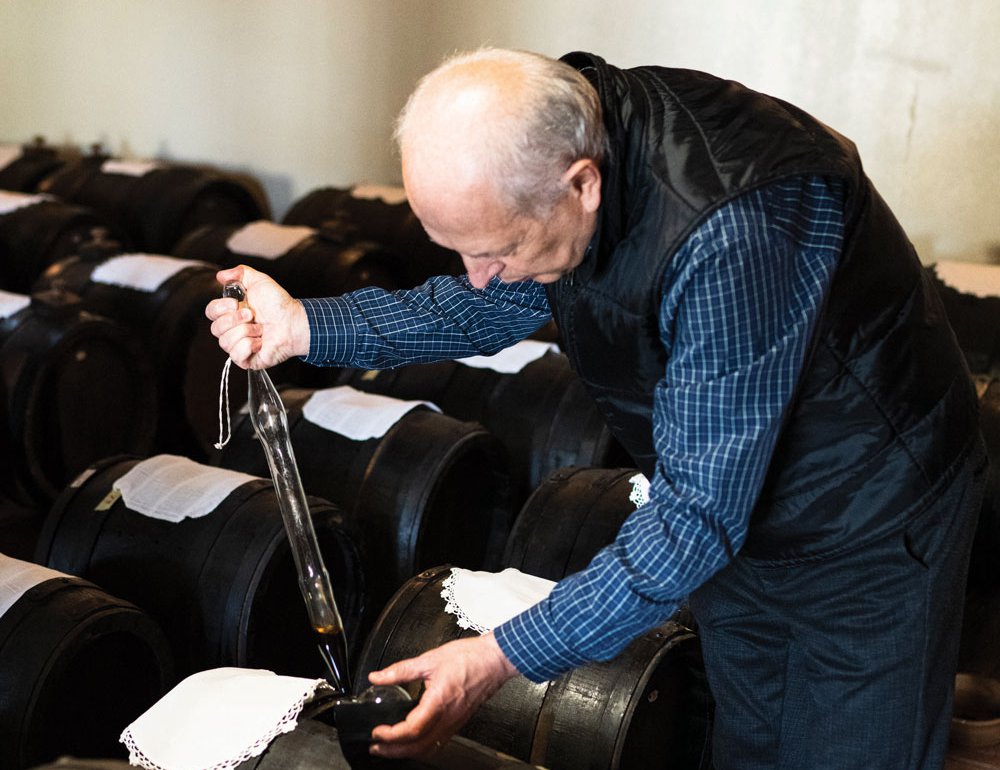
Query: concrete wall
{"x": 302, "y": 93}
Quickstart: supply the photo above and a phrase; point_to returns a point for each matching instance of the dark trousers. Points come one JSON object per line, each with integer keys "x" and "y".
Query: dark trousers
{"x": 846, "y": 662}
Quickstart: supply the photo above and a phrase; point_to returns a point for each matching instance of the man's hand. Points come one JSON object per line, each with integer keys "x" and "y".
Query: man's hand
{"x": 271, "y": 328}
{"x": 458, "y": 677}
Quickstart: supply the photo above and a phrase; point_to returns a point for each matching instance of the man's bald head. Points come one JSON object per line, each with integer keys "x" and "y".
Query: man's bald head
{"x": 499, "y": 122}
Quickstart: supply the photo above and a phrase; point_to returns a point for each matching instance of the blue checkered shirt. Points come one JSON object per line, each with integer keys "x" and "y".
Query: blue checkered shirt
{"x": 740, "y": 300}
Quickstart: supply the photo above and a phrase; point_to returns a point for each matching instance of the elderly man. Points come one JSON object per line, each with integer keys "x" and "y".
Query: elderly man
{"x": 755, "y": 326}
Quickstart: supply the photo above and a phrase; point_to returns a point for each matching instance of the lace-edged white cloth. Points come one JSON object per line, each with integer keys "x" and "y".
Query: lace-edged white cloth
{"x": 216, "y": 719}
{"x": 639, "y": 495}
{"x": 483, "y": 600}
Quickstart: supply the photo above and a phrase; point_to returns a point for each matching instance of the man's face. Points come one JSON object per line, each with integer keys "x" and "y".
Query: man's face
{"x": 494, "y": 242}
{"x": 514, "y": 248}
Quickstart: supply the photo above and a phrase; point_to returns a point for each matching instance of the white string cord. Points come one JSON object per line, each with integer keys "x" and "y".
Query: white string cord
{"x": 224, "y": 406}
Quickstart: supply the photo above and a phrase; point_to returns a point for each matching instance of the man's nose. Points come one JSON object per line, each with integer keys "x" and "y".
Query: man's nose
{"x": 482, "y": 271}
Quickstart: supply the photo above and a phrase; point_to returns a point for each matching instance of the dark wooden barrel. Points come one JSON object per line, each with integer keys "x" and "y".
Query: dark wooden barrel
{"x": 170, "y": 320}
{"x": 314, "y": 745}
{"x": 980, "y": 639}
{"x": 382, "y": 215}
{"x": 76, "y": 763}
{"x": 570, "y": 516}
{"x": 78, "y": 388}
{"x": 223, "y": 585}
{"x": 647, "y": 708}
{"x": 431, "y": 489}
{"x": 307, "y": 262}
{"x": 36, "y": 231}
{"x": 24, "y": 166}
{"x": 77, "y": 664}
{"x": 542, "y": 414}
{"x": 155, "y": 203}
{"x": 970, "y": 294}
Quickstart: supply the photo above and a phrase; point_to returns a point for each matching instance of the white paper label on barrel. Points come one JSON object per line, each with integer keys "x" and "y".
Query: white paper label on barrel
{"x": 356, "y": 414}
{"x": 976, "y": 278}
{"x": 172, "y": 488}
{"x": 513, "y": 359}
{"x": 11, "y": 303}
{"x": 267, "y": 240}
{"x": 12, "y": 201}
{"x": 218, "y": 719}
{"x": 17, "y": 577}
{"x": 385, "y": 193}
{"x": 483, "y": 600}
{"x": 144, "y": 272}
{"x": 9, "y": 153}
{"x": 129, "y": 167}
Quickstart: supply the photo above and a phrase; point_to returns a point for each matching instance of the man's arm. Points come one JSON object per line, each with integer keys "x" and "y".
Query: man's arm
{"x": 445, "y": 318}
{"x": 740, "y": 304}
{"x": 742, "y": 299}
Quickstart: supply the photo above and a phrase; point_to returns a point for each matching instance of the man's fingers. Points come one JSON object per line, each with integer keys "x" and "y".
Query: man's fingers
{"x": 231, "y": 274}
{"x": 414, "y": 736}
{"x": 401, "y": 672}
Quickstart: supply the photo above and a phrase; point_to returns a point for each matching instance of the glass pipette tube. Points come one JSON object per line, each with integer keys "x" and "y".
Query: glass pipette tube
{"x": 270, "y": 423}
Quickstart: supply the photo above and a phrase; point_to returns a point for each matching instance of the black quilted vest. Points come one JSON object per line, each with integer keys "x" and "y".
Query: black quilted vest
{"x": 884, "y": 406}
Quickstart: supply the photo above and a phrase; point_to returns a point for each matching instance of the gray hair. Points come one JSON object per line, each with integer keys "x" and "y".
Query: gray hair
{"x": 557, "y": 122}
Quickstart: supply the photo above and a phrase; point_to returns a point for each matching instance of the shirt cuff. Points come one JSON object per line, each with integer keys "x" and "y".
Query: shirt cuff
{"x": 332, "y": 331}
{"x": 535, "y": 645}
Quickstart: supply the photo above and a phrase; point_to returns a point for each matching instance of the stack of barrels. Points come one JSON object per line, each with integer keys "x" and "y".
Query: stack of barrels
{"x": 138, "y": 552}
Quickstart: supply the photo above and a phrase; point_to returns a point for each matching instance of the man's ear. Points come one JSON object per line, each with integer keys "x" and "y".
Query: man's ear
{"x": 584, "y": 180}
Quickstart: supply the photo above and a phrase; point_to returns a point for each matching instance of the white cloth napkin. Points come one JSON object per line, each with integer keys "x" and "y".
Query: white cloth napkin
{"x": 216, "y": 719}
{"x": 266, "y": 239}
{"x": 12, "y": 201}
{"x": 513, "y": 359}
{"x": 18, "y": 576}
{"x": 173, "y": 488}
{"x": 483, "y": 600}
{"x": 9, "y": 153}
{"x": 384, "y": 193}
{"x": 129, "y": 167}
{"x": 144, "y": 272}
{"x": 356, "y": 414}
{"x": 639, "y": 495}
{"x": 980, "y": 280}
{"x": 11, "y": 303}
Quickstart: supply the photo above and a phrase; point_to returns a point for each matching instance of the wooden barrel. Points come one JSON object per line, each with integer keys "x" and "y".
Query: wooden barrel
{"x": 76, "y": 763}
{"x": 223, "y": 585}
{"x": 76, "y": 665}
{"x": 78, "y": 388}
{"x": 970, "y": 293}
{"x": 980, "y": 638}
{"x": 314, "y": 745}
{"x": 36, "y": 231}
{"x": 426, "y": 490}
{"x": 24, "y": 166}
{"x": 307, "y": 262}
{"x": 571, "y": 515}
{"x": 542, "y": 414}
{"x": 168, "y": 314}
{"x": 379, "y": 214}
{"x": 647, "y": 708}
{"x": 155, "y": 203}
